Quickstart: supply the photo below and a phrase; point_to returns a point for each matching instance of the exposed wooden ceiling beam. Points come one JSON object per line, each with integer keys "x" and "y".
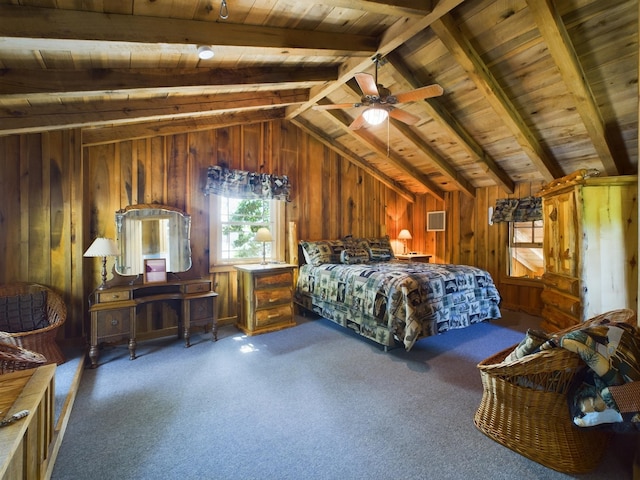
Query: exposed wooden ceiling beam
{"x": 464, "y": 53}
{"x": 48, "y": 23}
{"x": 416, "y": 8}
{"x": 435, "y": 110}
{"x": 556, "y": 37}
{"x": 140, "y": 80}
{"x": 118, "y": 133}
{"x": 441, "y": 164}
{"x": 31, "y": 118}
{"x": 351, "y": 157}
{"x": 373, "y": 143}
{"x": 393, "y": 37}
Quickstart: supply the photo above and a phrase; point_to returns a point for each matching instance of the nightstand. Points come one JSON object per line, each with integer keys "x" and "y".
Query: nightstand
{"x": 414, "y": 257}
{"x": 265, "y": 297}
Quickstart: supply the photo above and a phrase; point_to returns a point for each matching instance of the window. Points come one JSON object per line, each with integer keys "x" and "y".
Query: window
{"x": 525, "y": 249}
{"x": 234, "y": 223}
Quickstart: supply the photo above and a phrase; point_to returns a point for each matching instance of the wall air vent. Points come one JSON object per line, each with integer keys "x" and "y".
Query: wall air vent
{"x": 436, "y": 221}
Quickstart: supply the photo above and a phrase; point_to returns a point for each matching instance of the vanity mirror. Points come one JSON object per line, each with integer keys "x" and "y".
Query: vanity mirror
{"x": 152, "y": 232}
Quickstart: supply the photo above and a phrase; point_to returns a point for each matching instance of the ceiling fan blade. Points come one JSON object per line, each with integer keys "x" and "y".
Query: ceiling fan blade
{"x": 403, "y": 116}
{"x": 367, "y": 84}
{"x": 331, "y": 106}
{"x": 358, "y": 123}
{"x": 429, "y": 91}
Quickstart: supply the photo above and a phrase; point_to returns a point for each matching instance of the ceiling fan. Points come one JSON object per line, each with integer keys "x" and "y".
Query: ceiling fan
{"x": 380, "y": 102}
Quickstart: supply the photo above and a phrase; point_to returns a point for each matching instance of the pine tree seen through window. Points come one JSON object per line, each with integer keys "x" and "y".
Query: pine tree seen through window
{"x": 234, "y": 226}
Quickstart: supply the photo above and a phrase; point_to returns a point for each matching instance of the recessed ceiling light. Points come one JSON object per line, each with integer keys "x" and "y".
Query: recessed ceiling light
{"x": 205, "y": 52}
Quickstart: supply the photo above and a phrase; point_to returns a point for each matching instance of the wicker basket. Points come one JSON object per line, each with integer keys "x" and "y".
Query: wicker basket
{"x": 524, "y": 406}
{"x": 14, "y": 358}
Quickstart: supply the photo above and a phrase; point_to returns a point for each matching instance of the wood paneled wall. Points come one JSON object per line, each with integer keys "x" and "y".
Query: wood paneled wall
{"x": 471, "y": 240}
{"x": 56, "y": 196}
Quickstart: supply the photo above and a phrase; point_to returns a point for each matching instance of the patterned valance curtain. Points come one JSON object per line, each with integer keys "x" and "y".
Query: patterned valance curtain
{"x": 525, "y": 209}
{"x": 246, "y": 185}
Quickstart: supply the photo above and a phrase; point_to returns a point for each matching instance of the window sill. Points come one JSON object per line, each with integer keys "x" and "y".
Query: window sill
{"x": 527, "y": 282}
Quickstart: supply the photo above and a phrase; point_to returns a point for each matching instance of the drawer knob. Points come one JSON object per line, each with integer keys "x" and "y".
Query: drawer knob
{"x": 114, "y": 322}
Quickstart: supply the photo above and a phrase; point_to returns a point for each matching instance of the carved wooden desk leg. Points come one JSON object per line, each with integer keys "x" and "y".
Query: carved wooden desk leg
{"x": 93, "y": 355}
{"x": 93, "y": 342}
{"x": 132, "y": 349}
{"x": 187, "y": 336}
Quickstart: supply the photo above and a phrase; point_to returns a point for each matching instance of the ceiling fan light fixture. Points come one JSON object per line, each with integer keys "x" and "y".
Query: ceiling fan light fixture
{"x": 204, "y": 52}
{"x": 375, "y": 116}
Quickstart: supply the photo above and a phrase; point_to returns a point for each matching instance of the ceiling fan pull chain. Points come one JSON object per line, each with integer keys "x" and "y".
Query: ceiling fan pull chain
{"x": 224, "y": 10}
{"x": 388, "y": 136}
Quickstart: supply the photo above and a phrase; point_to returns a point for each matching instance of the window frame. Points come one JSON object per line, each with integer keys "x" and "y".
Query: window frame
{"x": 511, "y": 245}
{"x": 276, "y": 227}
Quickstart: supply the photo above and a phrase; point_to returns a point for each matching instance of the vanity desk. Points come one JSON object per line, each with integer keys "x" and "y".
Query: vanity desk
{"x": 114, "y": 311}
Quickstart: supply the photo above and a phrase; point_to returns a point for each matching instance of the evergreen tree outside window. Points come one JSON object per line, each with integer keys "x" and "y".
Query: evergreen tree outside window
{"x": 234, "y": 226}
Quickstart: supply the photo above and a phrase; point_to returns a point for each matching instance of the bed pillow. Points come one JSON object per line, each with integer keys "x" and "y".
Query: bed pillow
{"x": 23, "y": 313}
{"x": 380, "y": 249}
{"x": 322, "y": 251}
{"x": 353, "y": 256}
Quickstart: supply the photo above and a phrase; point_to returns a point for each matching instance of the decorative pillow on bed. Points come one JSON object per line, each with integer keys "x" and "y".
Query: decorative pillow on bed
{"x": 322, "y": 251}
{"x": 380, "y": 249}
{"x": 23, "y": 313}
{"x": 352, "y": 256}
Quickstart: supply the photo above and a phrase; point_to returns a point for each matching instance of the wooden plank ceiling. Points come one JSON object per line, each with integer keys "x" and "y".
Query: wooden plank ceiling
{"x": 533, "y": 89}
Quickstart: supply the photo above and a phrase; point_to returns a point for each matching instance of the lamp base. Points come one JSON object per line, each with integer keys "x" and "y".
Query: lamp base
{"x": 264, "y": 254}
{"x": 103, "y": 274}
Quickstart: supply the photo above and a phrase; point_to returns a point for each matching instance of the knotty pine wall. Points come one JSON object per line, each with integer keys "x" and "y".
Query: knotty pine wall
{"x": 57, "y": 195}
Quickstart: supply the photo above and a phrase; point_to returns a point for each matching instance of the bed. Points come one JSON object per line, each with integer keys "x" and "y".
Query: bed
{"x": 359, "y": 284}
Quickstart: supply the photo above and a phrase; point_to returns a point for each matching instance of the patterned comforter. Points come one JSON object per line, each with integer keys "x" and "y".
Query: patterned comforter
{"x": 393, "y": 300}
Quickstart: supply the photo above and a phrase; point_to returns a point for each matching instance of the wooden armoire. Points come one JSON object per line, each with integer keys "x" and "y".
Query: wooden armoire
{"x": 590, "y": 248}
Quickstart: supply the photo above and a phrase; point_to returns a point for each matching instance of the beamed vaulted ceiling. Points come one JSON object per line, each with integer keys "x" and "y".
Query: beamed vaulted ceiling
{"x": 533, "y": 89}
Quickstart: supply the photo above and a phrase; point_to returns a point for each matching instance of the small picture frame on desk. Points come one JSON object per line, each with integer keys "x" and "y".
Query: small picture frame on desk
{"x": 155, "y": 270}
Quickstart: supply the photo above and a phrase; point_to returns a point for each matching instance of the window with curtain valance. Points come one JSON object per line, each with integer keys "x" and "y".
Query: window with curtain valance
{"x": 246, "y": 185}
{"x": 527, "y": 209}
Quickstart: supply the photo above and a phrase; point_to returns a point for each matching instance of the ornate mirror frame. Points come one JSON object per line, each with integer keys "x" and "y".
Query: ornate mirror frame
{"x": 152, "y": 231}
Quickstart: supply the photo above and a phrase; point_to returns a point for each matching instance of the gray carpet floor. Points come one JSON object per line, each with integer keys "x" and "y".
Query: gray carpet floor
{"x": 310, "y": 402}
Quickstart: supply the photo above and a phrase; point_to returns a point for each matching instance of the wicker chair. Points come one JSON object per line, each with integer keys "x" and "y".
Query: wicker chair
{"x": 42, "y": 340}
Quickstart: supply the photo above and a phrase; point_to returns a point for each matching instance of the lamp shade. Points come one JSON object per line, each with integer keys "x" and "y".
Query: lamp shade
{"x": 404, "y": 234}
{"x": 102, "y": 247}
{"x": 375, "y": 115}
{"x": 263, "y": 235}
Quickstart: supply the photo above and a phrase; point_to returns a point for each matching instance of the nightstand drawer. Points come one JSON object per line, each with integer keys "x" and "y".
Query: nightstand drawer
{"x": 273, "y": 296}
{"x": 117, "y": 296}
{"x": 273, "y": 279}
{"x": 271, "y": 316}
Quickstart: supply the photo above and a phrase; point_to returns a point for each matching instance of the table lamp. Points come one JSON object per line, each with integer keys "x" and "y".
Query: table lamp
{"x": 102, "y": 247}
{"x": 263, "y": 235}
{"x": 404, "y": 235}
